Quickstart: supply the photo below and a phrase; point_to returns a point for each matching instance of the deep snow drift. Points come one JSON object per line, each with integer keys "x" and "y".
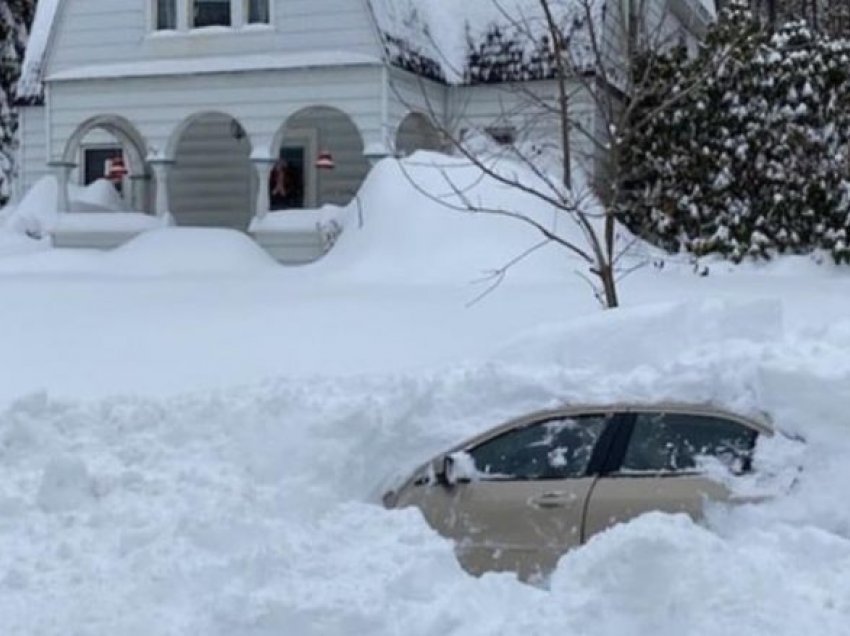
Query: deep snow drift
{"x": 153, "y": 482}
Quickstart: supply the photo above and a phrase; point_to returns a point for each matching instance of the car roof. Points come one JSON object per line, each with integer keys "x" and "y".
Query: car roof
{"x": 760, "y": 421}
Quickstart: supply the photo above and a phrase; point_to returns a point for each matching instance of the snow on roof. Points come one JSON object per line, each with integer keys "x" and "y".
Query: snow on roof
{"x": 29, "y": 85}
{"x": 217, "y": 64}
{"x": 446, "y": 38}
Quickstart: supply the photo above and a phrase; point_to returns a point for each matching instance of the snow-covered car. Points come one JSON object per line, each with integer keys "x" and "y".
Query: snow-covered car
{"x": 519, "y": 496}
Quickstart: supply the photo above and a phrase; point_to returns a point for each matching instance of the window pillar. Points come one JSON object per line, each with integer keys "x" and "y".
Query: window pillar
{"x": 183, "y": 8}
{"x": 237, "y": 14}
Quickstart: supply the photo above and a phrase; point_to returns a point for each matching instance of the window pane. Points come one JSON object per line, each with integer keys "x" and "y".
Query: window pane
{"x": 211, "y": 13}
{"x": 556, "y": 449}
{"x": 96, "y": 162}
{"x": 663, "y": 442}
{"x": 166, "y": 14}
{"x": 258, "y": 11}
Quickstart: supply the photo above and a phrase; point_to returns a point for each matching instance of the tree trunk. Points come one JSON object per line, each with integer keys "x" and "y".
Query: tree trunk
{"x": 609, "y": 287}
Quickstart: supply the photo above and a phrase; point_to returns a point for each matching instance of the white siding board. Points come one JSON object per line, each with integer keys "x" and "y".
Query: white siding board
{"x": 212, "y": 181}
{"x": 33, "y": 151}
{"x": 90, "y": 32}
{"x": 261, "y": 101}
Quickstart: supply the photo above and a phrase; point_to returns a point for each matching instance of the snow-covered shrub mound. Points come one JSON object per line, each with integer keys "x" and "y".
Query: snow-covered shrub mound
{"x": 98, "y": 196}
{"x": 188, "y": 250}
{"x": 36, "y": 214}
{"x": 416, "y": 228}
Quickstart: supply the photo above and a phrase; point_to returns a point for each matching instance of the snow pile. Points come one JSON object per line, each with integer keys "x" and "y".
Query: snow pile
{"x": 37, "y": 212}
{"x": 190, "y": 250}
{"x": 248, "y": 512}
{"x": 416, "y": 228}
{"x": 156, "y": 252}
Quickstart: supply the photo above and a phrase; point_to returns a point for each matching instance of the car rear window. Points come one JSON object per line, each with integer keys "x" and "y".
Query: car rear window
{"x": 674, "y": 442}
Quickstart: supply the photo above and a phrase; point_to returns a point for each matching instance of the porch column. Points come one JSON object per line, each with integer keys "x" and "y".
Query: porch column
{"x": 263, "y": 166}
{"x": 138, "y": 200}
{"x": 161, "y": 169}
{"x": 62, "y": 171}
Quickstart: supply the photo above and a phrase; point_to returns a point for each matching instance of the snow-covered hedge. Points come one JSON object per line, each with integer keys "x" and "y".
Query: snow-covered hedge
{"x": 754, "y": 158}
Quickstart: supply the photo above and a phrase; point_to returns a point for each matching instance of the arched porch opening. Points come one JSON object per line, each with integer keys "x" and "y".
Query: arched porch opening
{"x": 417, "y": 132}
{"x": 212, "y": 181}
{"x": 318, "y": 160}
{"x": 106, "y": 148}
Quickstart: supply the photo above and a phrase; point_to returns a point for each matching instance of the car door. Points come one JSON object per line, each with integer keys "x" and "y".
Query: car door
{"x": 657, "y": 463}
{"x": 523, "y": 507}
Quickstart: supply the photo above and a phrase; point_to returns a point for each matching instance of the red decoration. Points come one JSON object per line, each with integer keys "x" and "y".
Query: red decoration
{"x": 325, "y": 161}
{"x": 115, "y": 169}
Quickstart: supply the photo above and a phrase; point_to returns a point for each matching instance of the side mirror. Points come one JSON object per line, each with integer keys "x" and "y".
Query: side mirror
{"x": 456, "y": 468}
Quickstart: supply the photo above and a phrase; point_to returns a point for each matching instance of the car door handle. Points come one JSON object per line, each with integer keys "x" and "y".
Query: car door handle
{"x": 551, "y": 500}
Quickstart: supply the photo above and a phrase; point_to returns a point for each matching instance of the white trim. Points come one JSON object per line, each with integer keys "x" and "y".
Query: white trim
{"x": 20, "y": 168}
{"x": 48, "y": 124}
{"x": 238, "y": 18}
{"x": 222, "y": 64}
{"x": 182, "y": 17}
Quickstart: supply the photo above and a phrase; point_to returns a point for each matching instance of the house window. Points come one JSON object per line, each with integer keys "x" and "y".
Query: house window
{"x": 166, "y": 15}
{"x": 97, "y": 161}
{"x": 207, "y": 13}
{"x": 257, "y": 11}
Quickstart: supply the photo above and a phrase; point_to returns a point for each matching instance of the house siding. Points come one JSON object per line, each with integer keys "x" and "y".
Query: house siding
{"x": 260, "y": 100}
{"x": 93, "y": 32}
{"x": 529, "y": 110}
{"x": 32, "y": 155}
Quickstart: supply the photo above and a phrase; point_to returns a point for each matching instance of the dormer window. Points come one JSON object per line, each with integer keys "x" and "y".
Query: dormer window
{"x": 166, "y": 15}
{"x": 185, "y": 15}
{"x": 257, "y": 11}
{"x": 207, "y": 13}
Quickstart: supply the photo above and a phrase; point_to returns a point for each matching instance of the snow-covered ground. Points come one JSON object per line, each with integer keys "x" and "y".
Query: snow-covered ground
{"x": 192, "y": 438}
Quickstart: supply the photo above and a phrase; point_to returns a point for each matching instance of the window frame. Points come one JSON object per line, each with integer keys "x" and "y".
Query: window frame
{"x": 190, "y": 16}
{"x": 239, "y": 14}
{"x": 153, "y": 17}
{"x": 85, "y": 148}
{"x": 599, "y": 456}
{"x": 613, "y": 466}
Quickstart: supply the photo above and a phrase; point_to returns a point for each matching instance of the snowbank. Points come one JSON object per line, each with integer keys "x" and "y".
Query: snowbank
{"x": 36, "y": 214}
{"x": 190, "y": 250}
{"x": 155, "y": 252}
{"x": 415, "y": 228}
{"x": 248, "y": 512}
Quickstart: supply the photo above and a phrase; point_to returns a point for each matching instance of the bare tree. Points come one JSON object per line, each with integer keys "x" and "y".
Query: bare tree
{"x": 552, "y": 67}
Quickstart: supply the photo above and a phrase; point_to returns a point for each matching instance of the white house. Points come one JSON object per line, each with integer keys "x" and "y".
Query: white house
{"x": 254, "y": 114}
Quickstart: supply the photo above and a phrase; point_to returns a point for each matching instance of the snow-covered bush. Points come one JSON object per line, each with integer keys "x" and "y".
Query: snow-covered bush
{"x": 754, "y": 160}
{"x": 15, "y": 16}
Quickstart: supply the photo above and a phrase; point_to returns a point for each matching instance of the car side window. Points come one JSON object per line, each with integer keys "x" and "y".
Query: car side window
{"x": 555, "y": 449}
{"x": 674, "y": 442}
